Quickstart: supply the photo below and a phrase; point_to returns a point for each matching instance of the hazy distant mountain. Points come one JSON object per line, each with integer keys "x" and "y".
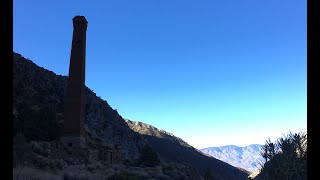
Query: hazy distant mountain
{"x": 175, "y": 149}
{"x": 247, "y": 157}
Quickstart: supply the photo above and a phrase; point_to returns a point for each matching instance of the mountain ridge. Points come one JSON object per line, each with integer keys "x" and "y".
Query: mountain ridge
{"x": 179, "y": 145}
{"x": 246, "y": 157}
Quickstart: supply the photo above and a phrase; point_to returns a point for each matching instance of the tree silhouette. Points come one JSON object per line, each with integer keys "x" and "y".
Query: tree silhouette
{"x": 148, "y": 157}
{"x": 286, "y": 158}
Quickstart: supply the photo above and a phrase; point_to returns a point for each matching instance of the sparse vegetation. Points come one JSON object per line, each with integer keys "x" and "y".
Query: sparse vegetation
{"x": 21, "y": 150}
{"x": 123, "y": 175}
{"x": 24, "y": 173}
{"x": 286, "y": 158}
{"x": 149, "y": 157}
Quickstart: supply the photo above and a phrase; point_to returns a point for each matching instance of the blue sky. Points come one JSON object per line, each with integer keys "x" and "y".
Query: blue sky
{"x": 211, "y": 72}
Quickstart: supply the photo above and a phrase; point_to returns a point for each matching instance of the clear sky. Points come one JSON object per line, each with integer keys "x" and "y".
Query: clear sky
{"x": 212, "y": 72}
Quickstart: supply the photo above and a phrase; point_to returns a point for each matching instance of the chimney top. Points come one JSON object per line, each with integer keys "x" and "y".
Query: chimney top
{"x": 80, "y": 20}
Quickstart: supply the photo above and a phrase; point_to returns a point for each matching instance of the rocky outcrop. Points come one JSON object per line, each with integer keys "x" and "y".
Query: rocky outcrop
{"x": 146, "y": 129}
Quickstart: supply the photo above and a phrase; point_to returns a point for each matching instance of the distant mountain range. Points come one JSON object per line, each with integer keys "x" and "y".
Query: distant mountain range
{"x": 247, "y": 157}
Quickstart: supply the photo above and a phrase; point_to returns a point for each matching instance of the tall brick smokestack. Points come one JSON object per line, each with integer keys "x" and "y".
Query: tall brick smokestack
{"x": 74, "y": 102}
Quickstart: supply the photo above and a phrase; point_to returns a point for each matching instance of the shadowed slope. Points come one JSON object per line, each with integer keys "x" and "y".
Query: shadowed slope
{"x": 36, "y": 87}
{"x": 171, "y": 148}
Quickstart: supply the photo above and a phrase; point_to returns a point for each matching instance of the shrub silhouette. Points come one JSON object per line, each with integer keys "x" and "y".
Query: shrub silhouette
{"x": 123, "y": 175}
{"x": 286, "y": 158}
{"x": 148, "y": 157}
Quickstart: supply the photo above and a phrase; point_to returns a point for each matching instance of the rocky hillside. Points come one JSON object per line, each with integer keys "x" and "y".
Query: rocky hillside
{"x": 38, "y": 117}
{"x": 37, "y": 88}
{"x": 247, "y": 157}
{"x": 172, "y": 148}
{"x": 146, "y": 129}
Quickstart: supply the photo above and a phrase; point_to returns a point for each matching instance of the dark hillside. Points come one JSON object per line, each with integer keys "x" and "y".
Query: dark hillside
{"x": 38, "y": 117}
{"x": 37, "y": 91}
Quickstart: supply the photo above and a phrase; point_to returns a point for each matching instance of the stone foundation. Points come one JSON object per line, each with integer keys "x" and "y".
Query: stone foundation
{"x": 107, "y": 154}
{"x": 74, "y": 142}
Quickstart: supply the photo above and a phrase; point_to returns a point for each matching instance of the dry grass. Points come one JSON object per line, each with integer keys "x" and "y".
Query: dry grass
{"x": 28, "y": 173}
{"x": 69, "y": 173}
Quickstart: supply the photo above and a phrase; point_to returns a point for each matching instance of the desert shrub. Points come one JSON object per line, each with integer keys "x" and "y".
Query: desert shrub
{"x": 131, "y": 162}
{"x": 56, "y": 164}
{"x": 36, "y": 147}
{"x": 148, "y": 157}
{"x": 123, "y": 175}
{"x": 21, "y": 121}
